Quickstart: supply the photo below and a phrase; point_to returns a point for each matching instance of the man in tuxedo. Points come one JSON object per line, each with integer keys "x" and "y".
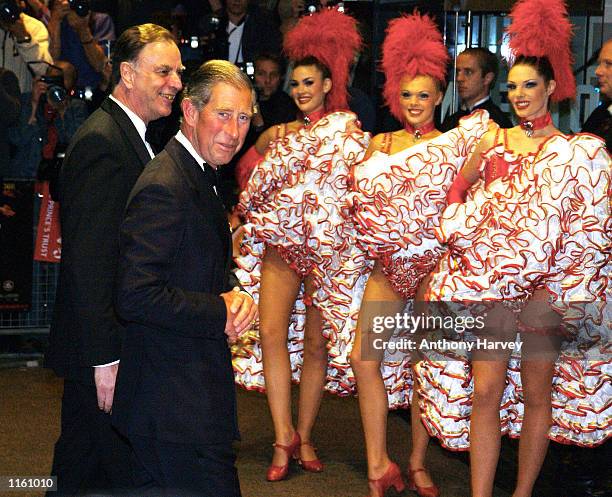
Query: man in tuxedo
{"x": 600, "y": 121}
{"x": 103, "y": 161}
{"x": 476, "y": 73}
{"x": 175, "y": 399}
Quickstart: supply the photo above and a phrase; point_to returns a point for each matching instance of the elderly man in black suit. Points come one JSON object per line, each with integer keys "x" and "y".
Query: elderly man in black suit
{"x": 175, "y": 398}
{"x": 102, "y": 163}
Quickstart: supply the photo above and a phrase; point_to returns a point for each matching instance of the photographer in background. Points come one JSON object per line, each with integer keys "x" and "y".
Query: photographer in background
{"x": 40, "y": 10}
{"x": 243, "y": 32}
{"x": 24, "y": 39}
{"x": 290, "y": 11}
{"x": 49, "y": 117}
{"x": 77, "y": 35}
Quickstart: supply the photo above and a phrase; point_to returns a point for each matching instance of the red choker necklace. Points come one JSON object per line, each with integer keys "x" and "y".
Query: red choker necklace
{"x": 420, "y": 132}
{"x": 535, "y": 124}
{"x": 313, "y": 117}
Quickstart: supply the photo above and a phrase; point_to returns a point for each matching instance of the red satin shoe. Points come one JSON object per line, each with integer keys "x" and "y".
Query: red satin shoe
{"x": 391, "y": 478}
{"x": 432, "y": 491}
{"x": 314, "y": 466}
{"x": 278, "y": 473}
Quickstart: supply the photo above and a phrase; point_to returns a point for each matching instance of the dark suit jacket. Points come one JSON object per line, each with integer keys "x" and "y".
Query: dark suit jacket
{"x": 599, "y": 123}
{"x": 175, "y": 382}
{"x": 260, "y": 35}
{"x": 103, "y": 161}
{"x": 495, "y": 113}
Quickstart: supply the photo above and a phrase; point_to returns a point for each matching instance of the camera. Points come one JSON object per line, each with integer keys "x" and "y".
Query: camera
{"x": 310, "y": 7}
{"x": 56, "y": 93}
{"x": 207, "y": 43}
{"x": 80, "y": 7}
{"x": 9, "y": 11}
{"x": 86, "y": 94}
{"x": 210, "y": 24}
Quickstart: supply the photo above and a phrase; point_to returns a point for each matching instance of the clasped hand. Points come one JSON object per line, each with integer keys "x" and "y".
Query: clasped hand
{"x": 241, "y": 313}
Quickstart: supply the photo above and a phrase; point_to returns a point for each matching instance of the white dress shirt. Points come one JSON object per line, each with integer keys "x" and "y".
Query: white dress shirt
{"x": 139, "y": 124}
{"x": 182, "y": 139}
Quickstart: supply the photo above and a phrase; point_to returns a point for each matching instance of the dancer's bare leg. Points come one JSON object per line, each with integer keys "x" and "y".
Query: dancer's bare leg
{"x": 489, "y": 371}
{"x": 313, "y": 376}
{"x": 373, "y": 402}
{"x": 420, "y": 442}
{"x": 420, "y": 437}
{"x": 278, "y": 290}
{"x": 540, "y": 351}
{"x": 536, "y": 377}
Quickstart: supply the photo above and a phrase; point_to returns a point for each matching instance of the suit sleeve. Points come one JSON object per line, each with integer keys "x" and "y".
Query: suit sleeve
{"x": 93, "y": 192}
{"x": 151, "y": 236}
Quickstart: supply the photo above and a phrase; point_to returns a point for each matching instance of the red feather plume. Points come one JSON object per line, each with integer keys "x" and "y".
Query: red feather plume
{"x": 332, "y": 38}
{"x": 413, "y": 45}
{"x": 541, "y": 28}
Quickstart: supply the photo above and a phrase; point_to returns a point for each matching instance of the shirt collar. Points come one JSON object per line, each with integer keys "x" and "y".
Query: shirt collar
{"x": 480, "y": 102}
{"x": 139, "y": 124}
{"x": 182, "y": 139}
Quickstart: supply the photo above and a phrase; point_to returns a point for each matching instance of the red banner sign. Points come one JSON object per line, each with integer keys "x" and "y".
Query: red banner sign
{"x": 48, "y": 236}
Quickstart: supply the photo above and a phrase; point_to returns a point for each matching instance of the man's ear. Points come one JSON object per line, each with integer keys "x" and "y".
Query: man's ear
{"x": 488, "y": 79}
{"x": 128, "y": 73}
{"x": 190, "y": 113}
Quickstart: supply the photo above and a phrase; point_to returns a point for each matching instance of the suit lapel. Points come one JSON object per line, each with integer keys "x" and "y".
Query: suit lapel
{"x": 208, "y": 201}
{"x": 128, "y": 128}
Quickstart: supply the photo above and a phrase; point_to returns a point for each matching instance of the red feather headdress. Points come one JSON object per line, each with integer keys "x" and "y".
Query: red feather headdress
{"x": 413, "y": 45}
{"x": 541, "y": 28}
{"x": 332, "y": 38}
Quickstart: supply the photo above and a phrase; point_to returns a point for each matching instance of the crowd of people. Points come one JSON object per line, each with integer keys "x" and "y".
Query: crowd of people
{"x": 345, "y": 245}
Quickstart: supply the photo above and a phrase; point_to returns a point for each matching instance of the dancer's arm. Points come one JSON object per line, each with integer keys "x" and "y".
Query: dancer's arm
{"x": 470, "y": 173}
{"x": 376, "y": 143}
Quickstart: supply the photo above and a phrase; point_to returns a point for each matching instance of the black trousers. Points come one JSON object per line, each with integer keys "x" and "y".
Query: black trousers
{"x": 90, "y": 457}
{"x": 163, "y": 469}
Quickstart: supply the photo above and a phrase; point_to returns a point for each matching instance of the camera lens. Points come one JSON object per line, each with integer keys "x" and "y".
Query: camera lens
{"x": 56, "y": 94}
{"x": 81, "y": 7}
{"x": 9, "y": 12}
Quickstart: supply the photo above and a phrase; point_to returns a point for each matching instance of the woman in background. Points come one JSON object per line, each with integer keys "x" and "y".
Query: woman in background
{"x": 295, "y": 236}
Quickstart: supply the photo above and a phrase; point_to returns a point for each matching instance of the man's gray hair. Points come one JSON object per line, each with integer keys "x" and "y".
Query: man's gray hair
{"x": 201, "y": 82}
